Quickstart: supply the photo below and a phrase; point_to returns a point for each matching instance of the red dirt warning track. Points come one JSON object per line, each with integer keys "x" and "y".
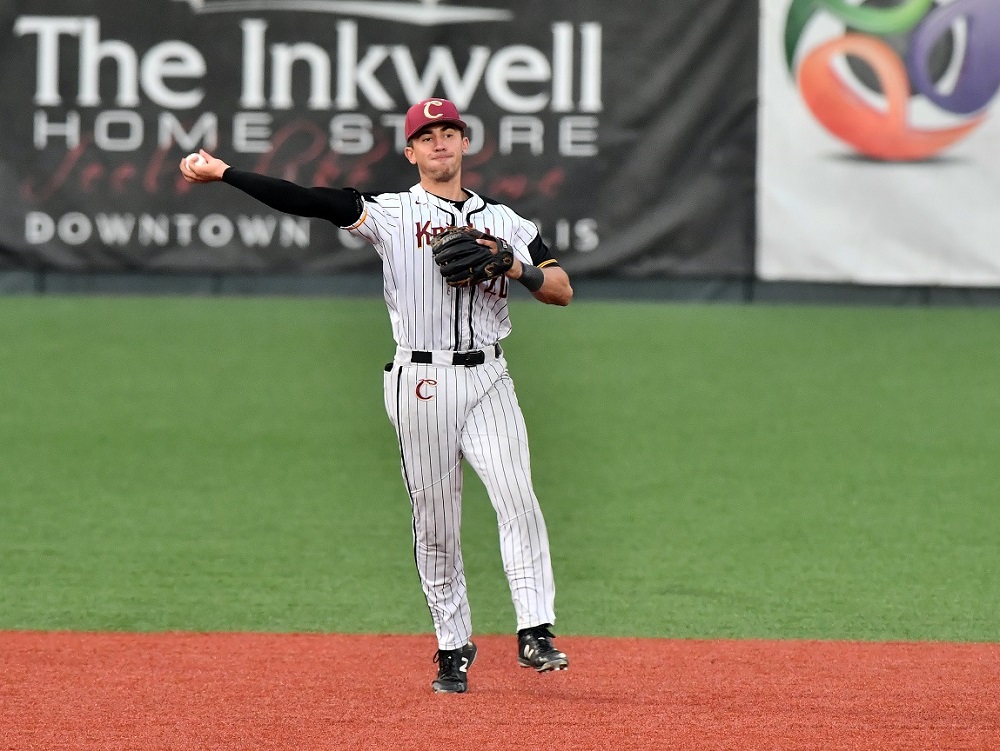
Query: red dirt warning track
{"x": 201, "y": 692}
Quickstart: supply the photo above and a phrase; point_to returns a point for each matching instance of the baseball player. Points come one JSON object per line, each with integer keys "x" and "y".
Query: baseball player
{"x": 447, "y": 391}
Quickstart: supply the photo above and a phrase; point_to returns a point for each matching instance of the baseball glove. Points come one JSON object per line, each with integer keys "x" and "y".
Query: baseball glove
{"x": 462, "y": 261}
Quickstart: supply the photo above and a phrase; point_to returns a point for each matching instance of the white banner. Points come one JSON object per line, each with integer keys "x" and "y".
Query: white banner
{"x": 879, "y": 142}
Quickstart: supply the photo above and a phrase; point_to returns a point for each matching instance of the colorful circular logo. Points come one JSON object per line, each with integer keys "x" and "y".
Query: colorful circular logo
{"x": 896, "y": 66}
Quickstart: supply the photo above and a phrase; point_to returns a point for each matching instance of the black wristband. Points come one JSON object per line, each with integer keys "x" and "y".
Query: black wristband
{"x": 531, "y": 277}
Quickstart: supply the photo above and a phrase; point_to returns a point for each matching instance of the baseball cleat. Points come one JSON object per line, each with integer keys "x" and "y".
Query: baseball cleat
{"x": 453, "y": 669}
{"x": 535, "y": 650}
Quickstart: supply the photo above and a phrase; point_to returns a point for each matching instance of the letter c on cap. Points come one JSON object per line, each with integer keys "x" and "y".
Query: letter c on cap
{"x": 427, "y": 108}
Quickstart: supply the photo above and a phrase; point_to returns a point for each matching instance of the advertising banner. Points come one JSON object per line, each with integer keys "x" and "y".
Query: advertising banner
{"x": 879, "y": 136}
{"x": 627, "y": 135}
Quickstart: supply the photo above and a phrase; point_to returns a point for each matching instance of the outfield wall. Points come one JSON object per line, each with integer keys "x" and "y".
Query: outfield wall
{"x": 722, "y": 291}
{"x": 780, "y": 148}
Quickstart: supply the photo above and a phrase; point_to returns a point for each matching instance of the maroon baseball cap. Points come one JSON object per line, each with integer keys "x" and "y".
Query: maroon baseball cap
{"x": 431, "y": 112}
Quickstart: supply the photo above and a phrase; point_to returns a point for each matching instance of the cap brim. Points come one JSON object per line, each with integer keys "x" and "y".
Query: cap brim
{"x": 442, "y": 121}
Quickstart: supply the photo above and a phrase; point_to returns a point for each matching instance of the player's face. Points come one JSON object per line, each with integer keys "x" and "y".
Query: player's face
{"x": 437, "y": 151}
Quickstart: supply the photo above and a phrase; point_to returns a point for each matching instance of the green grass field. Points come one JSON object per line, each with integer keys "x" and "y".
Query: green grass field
{"x": 706, "y": 471}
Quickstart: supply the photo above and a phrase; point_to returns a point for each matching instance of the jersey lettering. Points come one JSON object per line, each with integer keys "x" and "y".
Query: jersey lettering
{"x": 497, "y": 287}
{"x": 425, "y": 232}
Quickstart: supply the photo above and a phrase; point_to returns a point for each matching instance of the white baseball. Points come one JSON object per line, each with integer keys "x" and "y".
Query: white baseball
{"x": 195, "y": 159}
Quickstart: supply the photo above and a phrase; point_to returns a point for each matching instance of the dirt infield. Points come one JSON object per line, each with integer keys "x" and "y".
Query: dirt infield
{"x": 200, "y": 692}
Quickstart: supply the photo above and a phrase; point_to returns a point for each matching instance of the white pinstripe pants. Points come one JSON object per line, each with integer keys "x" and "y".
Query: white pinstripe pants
{"x": 441, "y": 414}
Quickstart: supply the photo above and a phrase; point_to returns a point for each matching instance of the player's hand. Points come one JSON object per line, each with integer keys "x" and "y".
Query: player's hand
{"x": 514, "y": 272}
{"x": 516, "y": 269}
{"x": 205, "y": 170}
{"x": 464, "y": 258}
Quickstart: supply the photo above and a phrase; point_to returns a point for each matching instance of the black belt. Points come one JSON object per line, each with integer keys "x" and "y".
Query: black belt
{"x": 468, "y": 359}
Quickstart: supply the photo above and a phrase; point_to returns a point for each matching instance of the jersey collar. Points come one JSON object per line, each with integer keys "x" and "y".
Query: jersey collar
{"x": 474, "y": 201}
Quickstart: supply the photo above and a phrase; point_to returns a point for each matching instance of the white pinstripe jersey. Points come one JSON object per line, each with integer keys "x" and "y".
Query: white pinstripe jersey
{"x": 426, "y": 313}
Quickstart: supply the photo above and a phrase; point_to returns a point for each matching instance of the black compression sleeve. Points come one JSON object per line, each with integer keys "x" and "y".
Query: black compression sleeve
{"x": 343, "y": 207}
{"x": 540, "y": 252}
